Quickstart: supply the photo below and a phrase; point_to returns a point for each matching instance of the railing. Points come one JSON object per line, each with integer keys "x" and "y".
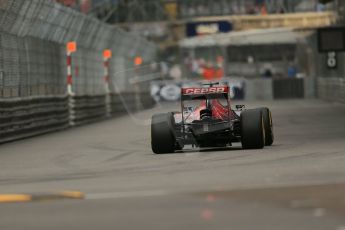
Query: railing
{"x": 331, "y": 89}
{"x": 33, "y": 68}
{"x": 296, "y": 20}
{"x": 20, "y": 118}
{"x": 293, "y": 20}
{"x": 26, "y": 117}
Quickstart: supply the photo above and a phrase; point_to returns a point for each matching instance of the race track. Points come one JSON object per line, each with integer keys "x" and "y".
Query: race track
{"x": 298, "y": 183}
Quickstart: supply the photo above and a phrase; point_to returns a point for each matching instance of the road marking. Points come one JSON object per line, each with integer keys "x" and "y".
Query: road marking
{"x": 19, "y": 198}
{"x": 7, "y": 198}
{"x": 73, "y": 195}
{"x": 133, "y": 194}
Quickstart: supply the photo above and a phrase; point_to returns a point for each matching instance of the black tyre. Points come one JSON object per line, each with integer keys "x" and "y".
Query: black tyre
{"x": 162, "y": 133}
{"x": 268, "y": 124}
{"x": 252, "y": 129}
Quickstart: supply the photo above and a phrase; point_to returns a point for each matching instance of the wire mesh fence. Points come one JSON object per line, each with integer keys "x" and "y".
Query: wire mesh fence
{"x": 33, "y": 36}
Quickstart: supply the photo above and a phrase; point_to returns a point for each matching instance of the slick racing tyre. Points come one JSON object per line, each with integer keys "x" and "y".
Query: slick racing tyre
{"x": 252, "y": 129}
{"x": 162, "y": 133}
{"x": 268, "y": 124}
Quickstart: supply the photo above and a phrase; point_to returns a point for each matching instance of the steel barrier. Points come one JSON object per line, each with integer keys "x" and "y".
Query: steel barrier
{"x": 287, "y": 88}
{"x": 259, "y": 89}
{"x": 26, "y": 117}
{"x": 281, "y": 88}
{"x": 331, "y": 89}
{"x": 33, "y": 68}
{"x": 86, "y": 109}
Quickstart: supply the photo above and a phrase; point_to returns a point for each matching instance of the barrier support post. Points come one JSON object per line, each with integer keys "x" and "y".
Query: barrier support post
{"x": 138, "y": 61}
{"x": 106, "y": 57}
{"x": 70, "y": 48}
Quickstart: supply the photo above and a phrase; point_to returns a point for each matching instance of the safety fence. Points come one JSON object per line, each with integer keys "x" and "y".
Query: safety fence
{"x": 331, "y": 89}
{"x": 329, "y": 71}
{"x": 34, "y": 66}
{"x": 288, "y": 88}
{"x": 25, "y": 117}
{"x": 20, "y": 118}
{"x": 86, "y": 109}
{"x": 280, "y": 88}
{"x": 242, "y": 88}
{"x": 34, "y": 34}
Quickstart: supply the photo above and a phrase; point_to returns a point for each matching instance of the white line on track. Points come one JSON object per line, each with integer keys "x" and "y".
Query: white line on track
{"x": 131, "y": 194}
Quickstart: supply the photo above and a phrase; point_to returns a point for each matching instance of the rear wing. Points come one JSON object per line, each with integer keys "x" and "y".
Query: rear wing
{"x": 205, "y": 93}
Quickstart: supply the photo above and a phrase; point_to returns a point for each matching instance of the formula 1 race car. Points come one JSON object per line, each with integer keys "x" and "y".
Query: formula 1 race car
{"x": 207, "y": 120}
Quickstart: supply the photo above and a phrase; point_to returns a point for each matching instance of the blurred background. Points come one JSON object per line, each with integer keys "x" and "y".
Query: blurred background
{"x": 178, "y": 40}
{"x": 251, "y": 39}
{"x": 114, "y": 56}
{"x": 68, "y": 63}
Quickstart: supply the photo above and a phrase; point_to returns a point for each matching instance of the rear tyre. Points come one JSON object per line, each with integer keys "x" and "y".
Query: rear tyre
{"x": 162, "y": 133}
{"x": 268, "y": 124}
{"x": 252, "y": 129}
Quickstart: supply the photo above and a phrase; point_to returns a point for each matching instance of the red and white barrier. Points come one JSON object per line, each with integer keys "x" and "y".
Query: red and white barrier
{"x": 71, "y": 48}
{"x": 106, "y": 56}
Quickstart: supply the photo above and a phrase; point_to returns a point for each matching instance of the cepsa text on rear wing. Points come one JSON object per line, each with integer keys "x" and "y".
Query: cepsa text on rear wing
{"x": 205, "y": 93}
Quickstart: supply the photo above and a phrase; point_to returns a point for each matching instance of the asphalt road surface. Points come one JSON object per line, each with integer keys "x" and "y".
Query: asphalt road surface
{"x": 298, "y": 183}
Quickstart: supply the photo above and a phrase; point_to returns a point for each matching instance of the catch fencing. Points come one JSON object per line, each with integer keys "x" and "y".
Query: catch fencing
{"x": 33, "y": 68}
{"x": 332, "y": 89}
{"x": 242, "y": 88}
{"x": 329, "y": 79}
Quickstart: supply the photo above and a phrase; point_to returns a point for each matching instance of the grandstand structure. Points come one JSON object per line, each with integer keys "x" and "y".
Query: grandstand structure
{"x": 168, "y": 24}
{"x": 133, "y": 11}
{"x": 165, "y": 21}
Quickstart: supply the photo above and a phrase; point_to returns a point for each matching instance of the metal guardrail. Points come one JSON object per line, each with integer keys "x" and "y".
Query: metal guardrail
{"x": 281, "y": 88}
{"x": 33, "y": 76}
{"x": 331, "y": 89}
{"x": 128, "y": 102}
{"x": 288, "y": 88}
{"x": 259, "y": 89}
{"x": 20, "y": 118}
{"x": 123, "y": 103}
{"x": 86, "y": 109}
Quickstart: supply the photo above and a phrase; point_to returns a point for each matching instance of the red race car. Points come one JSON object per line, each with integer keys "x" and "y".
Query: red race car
{"x": 207, "y": 120}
